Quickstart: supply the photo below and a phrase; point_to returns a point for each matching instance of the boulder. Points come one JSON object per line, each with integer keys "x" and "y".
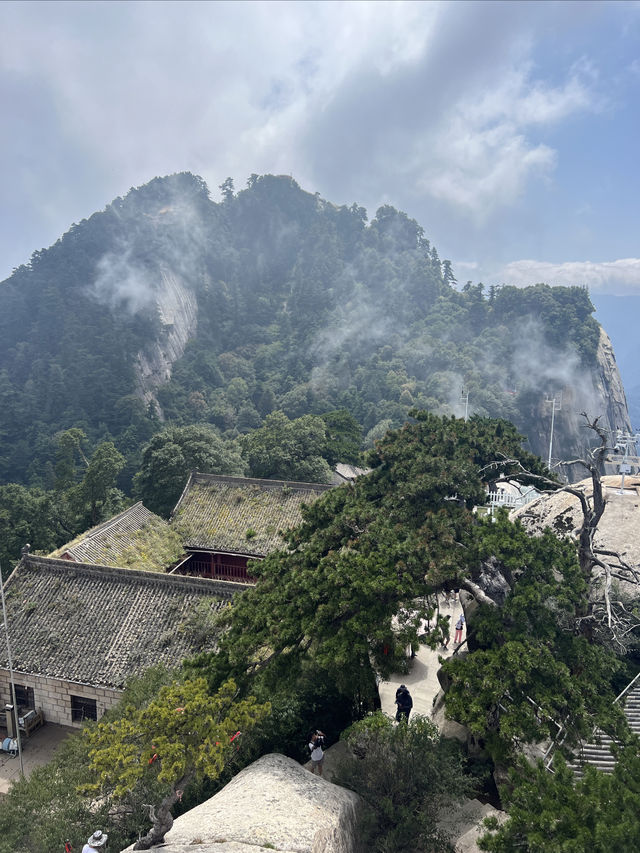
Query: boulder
{"x": 273, "y": 804}
{"x": 461, "y": 823}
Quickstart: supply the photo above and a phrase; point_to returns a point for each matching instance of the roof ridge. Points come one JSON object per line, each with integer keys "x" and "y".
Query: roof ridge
{"x": 201, "y": 477}
{"x": 111, "y": 522}
{"x": 131, "y": 576}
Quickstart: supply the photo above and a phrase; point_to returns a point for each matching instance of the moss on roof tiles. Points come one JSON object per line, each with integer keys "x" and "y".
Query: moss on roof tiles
{"x": 135, "y": 538}
{"x": 98, "y": 625}
{"x": 240, "y": 515}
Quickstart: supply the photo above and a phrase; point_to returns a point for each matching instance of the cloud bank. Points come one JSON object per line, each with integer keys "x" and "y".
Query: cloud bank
{"x": 443, "y": 109}
{"x": 621, "y": 277}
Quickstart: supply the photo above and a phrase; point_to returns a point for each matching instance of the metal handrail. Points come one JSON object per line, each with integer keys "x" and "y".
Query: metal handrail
{"x": 558, "y": 742}
{"x": 627, "y": 688}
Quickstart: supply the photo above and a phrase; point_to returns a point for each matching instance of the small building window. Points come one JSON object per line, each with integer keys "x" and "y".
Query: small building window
{"x": 24, "y": 696}
{"x": 83, "y": 709}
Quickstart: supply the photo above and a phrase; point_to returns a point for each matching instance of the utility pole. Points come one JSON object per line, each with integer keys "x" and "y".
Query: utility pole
{"x": 625, "y": 442}
{"x": 464, "y": 395}
{"x": 13, "y": 684}
{"x": 556, "y": 405}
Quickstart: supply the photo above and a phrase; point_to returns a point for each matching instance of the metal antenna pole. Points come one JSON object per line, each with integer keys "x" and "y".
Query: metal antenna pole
{"x": 553, "y": 417}
{"x": 556, "y": 405}
{"x": 628, "y": 441}
{"x": 13, "y": 684}
{"x": 623, "y": 467}
{"x": 465, "y": 396}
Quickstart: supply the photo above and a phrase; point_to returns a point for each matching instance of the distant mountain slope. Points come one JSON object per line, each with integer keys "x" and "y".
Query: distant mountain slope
{"x": 619, "y": 315}
{"x": 167, "y": 305}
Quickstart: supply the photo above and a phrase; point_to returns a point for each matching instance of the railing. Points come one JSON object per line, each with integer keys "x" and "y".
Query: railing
{"x": 504, "y": 498}
{"x": 220, "y": 571}
{"x": 562, "y": 733}
{"x": 626, "y": 689}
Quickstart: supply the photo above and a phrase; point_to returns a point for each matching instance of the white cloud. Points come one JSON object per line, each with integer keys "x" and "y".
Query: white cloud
{"x": 482, "y": 169}
{"x": 481, "y": 154}
{"x": 437, "y": 107}
{"x": 615, "y": 277}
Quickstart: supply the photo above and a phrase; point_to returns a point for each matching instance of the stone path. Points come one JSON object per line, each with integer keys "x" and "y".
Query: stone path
{"x": 36, "y": 751}
{"x": 422, "y": 679}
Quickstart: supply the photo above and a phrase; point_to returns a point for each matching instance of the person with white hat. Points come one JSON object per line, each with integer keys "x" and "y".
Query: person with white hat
{"x": 98, "y": 841}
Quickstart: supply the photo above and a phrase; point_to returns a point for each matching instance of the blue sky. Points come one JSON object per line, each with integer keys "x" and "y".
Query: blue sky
{"x": 508, "y": 130}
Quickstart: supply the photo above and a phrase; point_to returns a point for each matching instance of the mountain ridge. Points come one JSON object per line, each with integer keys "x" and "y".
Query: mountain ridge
{"x": 169, "y": 306}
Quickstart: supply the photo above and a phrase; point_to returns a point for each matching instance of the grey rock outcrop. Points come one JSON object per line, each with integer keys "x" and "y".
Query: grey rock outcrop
{"x": 463, "y": 824}
{"x": 607, "y": 401}
{"x": 274, "y": 804}
{"x": 618, "y": 527}
{"x": 177, "y": 308}
{"x": 608, "y": 385}
{"x": 598, "y": 392}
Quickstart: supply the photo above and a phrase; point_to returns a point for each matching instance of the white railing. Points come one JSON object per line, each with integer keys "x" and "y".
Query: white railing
{"x": 504, "y": 498}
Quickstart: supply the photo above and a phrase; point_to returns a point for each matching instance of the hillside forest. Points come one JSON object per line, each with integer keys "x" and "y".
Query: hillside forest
{"x": 169, "y": 332}
{"x": 274, "y": 334}
{"x": 336, "y": 610}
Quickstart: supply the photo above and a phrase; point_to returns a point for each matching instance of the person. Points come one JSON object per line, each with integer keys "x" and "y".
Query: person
{"x": 457, "y": 638}
{"x": 404, "y": 703}
{"x": 98, "y": 841}
{"x": 446, "y": 632}
{"x": 316, "y": 748}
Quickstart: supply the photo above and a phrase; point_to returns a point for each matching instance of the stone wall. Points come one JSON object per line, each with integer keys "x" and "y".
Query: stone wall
{"x": 53, "y": 696}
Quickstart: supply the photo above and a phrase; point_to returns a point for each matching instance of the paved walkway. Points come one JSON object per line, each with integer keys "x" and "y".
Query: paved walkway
{"x": 422, "y": 679}
{"x": 37, "y": 750}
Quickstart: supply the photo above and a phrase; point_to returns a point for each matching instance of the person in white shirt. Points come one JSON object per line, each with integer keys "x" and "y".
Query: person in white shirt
{"x": 317, "y": 752}
{"x": 98, "y": 841}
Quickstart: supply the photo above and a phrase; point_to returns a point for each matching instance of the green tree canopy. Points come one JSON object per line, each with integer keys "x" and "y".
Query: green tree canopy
{"x": 26, "y": 516}
{"x": 367, "y": 551}
{"x": 284, "y": 449}
{"x": 344, "y": 437}
{"x": 181, "y": 735}
{"x": 406, "y": 774}
{"x": 172, "y": 454}
{"x": 555, "y": 813}
{"x": 529, "y": 671}
{"x": 100, "y": 478}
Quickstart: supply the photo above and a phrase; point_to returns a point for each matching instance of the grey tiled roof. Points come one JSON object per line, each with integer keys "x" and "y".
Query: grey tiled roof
{"x": 98, "y": 625}
{"x": 240, "y": 515}
{"x": 347, "y": 473}
{"x": 135, "y": 537}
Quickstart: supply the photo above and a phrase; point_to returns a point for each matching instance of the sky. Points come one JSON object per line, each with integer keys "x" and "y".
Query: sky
{"x": 510, "y": 131}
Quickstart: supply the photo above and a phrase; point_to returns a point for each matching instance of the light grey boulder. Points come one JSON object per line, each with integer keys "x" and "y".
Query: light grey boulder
{"x": 462, "y": 823}
{"x": 273, "y": 802}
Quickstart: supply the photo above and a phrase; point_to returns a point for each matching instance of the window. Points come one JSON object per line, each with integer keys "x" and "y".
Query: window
{"x": 24, "y": 696}
{"x": 83, "y": 709}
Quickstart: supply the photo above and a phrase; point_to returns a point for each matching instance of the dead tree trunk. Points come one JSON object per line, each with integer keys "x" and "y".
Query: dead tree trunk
{"x": 161, "y": 818}
{"x": 616, "y": 620}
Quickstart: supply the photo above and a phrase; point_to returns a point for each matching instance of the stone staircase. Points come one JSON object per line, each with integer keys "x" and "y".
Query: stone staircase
{"x": 598, "y": 751}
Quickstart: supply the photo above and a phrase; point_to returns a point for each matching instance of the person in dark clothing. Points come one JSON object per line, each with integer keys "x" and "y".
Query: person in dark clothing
{"x": 404, "y": 703}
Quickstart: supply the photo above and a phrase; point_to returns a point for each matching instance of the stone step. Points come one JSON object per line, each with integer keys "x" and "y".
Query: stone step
{"x": 598, "y": 762}
{"x": 598, "y": 752}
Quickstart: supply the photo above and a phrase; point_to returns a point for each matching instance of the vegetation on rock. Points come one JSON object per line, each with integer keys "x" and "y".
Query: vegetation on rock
{"x": 406, "y": 775}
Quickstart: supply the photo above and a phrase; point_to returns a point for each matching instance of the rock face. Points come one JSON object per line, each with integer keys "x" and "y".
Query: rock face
{"x": 609, "y": 385}
{"x": 177, "y": 307}
{"x": 274, "y": 804}
{"x": 463, "y": 824}
{"x": 598, "y": 392}
{"x": 618, "y": 527}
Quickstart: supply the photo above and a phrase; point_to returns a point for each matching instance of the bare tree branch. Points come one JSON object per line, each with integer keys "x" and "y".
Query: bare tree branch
{"x": 477, "y": 592}
{"x": 607, "y": 615}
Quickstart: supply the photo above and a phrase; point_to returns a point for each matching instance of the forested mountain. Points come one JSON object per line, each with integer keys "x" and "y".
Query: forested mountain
{"x": 169, "y": 307}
